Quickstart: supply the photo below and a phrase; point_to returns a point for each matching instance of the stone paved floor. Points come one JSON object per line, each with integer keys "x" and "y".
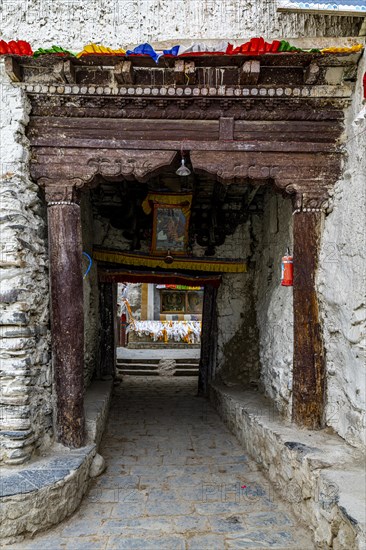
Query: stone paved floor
{"x": 176, "y": 479}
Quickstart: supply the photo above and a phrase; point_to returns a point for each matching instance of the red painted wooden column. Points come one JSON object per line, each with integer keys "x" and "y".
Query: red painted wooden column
{"x": 309, "y": 360}
{"x": 67, "y": 318}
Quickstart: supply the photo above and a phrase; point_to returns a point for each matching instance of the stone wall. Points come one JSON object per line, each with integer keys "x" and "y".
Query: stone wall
{"x": 272, "y": 235}
{"x": 25, "y": 376}
{"x": 74, "y": 23}
{"x": 342, "y": 282}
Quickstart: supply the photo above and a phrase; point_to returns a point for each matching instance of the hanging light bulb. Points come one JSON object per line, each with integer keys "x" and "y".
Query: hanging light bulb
{"x": 183, "y": 170}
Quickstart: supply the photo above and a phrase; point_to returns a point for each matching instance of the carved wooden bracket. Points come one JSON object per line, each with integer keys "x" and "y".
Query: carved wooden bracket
{"x": 64, "y": 192}
{"x": 64, "y": 172}
{"x": 306, "y": 177}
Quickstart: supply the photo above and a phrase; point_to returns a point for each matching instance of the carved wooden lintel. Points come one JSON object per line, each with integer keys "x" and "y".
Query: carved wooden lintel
{"x": 138, "y": 165}
{"x": 307, "y": 178}
{"x": 64, "y": 175}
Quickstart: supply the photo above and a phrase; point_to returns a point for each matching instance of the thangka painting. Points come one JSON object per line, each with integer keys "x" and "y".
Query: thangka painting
{"x": 170, "y": 229}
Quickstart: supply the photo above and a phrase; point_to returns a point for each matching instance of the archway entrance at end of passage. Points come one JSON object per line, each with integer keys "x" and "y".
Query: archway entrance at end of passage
{"x": 108, "y": 280}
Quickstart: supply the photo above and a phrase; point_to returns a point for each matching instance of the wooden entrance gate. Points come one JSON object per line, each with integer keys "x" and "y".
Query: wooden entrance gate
{"x": 277, "y": 121}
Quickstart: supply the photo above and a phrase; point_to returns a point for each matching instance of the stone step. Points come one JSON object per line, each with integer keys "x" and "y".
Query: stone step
{"x": 158, "y": 345}
{"x": 185, "y": 372}
{"x": 153, "y": 366}
{"x": 156, "y": 361}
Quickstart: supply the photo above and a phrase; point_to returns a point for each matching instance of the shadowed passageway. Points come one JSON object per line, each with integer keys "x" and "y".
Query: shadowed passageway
{"x": 176, "y": 479}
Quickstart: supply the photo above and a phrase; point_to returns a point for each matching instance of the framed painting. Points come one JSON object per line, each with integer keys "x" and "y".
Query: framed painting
{"x": 173, "y": 301}
{"x": 170, "y": 229}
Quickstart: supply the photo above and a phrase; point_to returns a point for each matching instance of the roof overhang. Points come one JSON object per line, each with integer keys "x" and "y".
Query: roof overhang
{"x": 291, "y": 74}
{"x": 342, "y": 8}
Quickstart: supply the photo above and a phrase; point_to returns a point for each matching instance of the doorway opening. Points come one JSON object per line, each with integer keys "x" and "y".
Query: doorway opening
{"x": 162, "y": 248}
{"x": 159, "y": 328}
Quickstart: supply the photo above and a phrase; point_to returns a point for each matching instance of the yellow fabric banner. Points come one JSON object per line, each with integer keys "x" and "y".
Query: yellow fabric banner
{"x": 192, "y": 264}
{"x": 184, "y": 201}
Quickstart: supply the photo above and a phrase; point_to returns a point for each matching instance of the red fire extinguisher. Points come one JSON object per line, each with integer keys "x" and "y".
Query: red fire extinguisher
{"x": 287, "y": 270}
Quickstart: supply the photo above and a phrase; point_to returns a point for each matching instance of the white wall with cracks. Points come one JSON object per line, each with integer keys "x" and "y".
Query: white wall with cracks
{"x": 25, "y": 367}
{"x": 341, "y": 283}
{"x": 74, "y": 23}
{"x": 272, "y": 234}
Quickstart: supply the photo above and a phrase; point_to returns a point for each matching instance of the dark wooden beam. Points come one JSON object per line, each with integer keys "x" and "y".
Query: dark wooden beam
{"x": 309, "y": 361}
{"x": 67, "y": 318}
{"x": 226, "y": 128}
{"x": 311, "y": 73}
{"x": 179, "y": 76}
{"x": 69, "y": 71}
{"x": 13, "y": 69}
{"x": 249, "y": 73}
{"x": 124, "y": 73}
{"x": 70, "y": 143}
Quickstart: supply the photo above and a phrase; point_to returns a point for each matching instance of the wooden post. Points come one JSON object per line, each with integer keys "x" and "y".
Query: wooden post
{"x": 107, "y": 339}
{"x": 309, "y": 361}
{"x": 208, "y": 340}
{"x": 67, "y": 320}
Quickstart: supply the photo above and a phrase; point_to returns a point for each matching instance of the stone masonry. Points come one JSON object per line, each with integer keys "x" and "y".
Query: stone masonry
{"x": 25, "y": 377}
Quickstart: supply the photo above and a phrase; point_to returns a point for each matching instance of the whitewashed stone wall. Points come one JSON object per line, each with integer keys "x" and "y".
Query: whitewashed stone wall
{"x": 342, "y": 284}
{"x": 74, "y": 23}
{"x": 25, "y": 377}
{"x": 273, "y": 234}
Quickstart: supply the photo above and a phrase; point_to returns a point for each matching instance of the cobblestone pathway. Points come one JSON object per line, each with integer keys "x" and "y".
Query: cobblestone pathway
{"x": 176, "y": 479}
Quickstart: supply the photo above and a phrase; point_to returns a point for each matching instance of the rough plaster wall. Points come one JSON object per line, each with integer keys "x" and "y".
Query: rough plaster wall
{"x": 110, "y": 237}
{"x": 273, "y": 234}
{"x": 237, "y": 342}
{"x": 74, "y": 23}
{"x": 342, "y": 283}
{"x": 91, "y": 295}
{"x": 25, "y": 370}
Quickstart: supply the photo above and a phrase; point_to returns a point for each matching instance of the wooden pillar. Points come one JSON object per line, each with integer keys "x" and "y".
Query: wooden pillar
{"x": 309, "y": 360}
{"x": 208, "y": 339}
{"x": 107, "y": 322}
{"x": 67, "y": 319}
